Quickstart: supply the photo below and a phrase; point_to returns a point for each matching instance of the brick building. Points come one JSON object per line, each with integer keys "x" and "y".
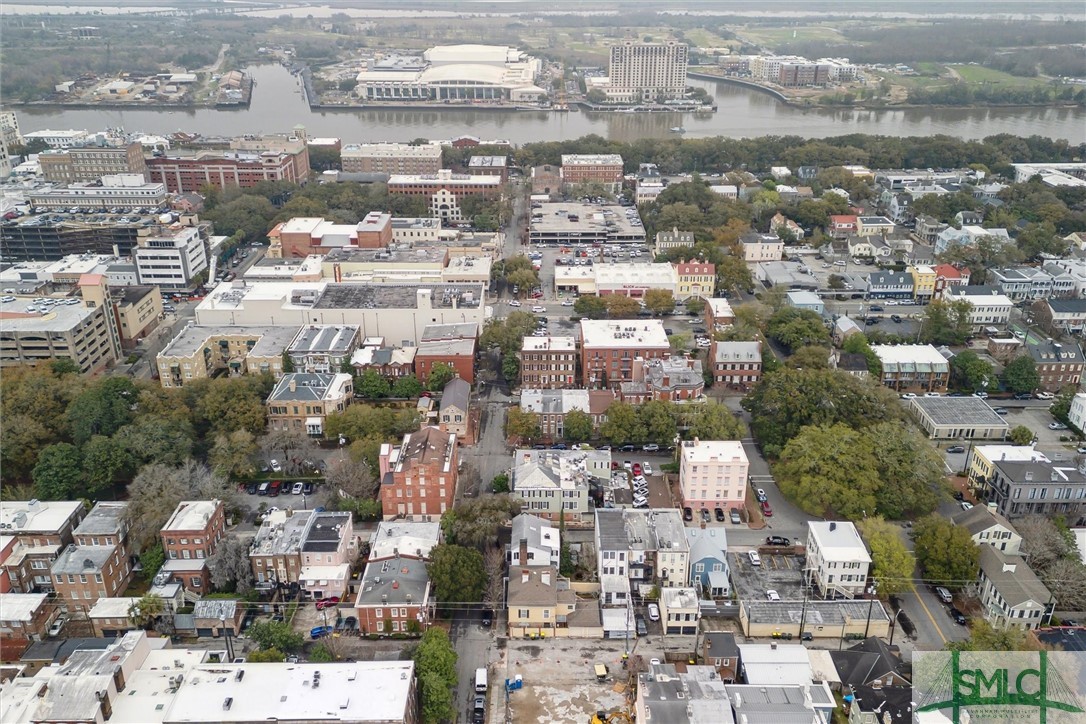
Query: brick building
{"x": 291, "y": 541}
{"x": 1058, "y": 363}
{"x": 90, "y": 163}
{"x": 394, "y": 596}
{"x": 444, "y": 189}
{"x": 552, "y": 406}
{"x": 41, "y": 530}
{"x": 608, "y": 349}
{"x": 390, "y": 158}
{"x": 418, "y": 476}
{"x": 451, "y": 344}
{"x": 548, "y": 363}
{"x": 223, "y": 169}
{"x": 303, "y": 401}
{"x": 304, "y": 235}
{"x": 737, "y": 363}
{"x": 98, "y": 564}
{"x": 192, "y": 534}
{"x": 592, "y": 168}
{"x": 674, "y": 379}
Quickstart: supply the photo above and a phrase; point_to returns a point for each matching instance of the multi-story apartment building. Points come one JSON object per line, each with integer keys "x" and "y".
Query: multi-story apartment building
{"x": 1022, "y": 487}
{"x": 1059, "y": 364}
{"x": 98, "y": 564}
{"x": 225, "y": 169}
{"x": 1061, "y": 315}
{"x": 74, "y": 330}
{"x": 394, "y": 596}
{"x": 989, "y": 306}
{"x": 608, "y": 349}
{"x": 127, "y": 189}
{"x": 674, "y": 239}
{"x": 489, "y": 166}
{"x": 837, "y": 559}
{"x": 592, "y": 168}
{"x": 713, "y": 474}
{"x": 453, "y": 345}
{"x": 305, "y": 235}
{"x": 648, "y": 72}
{"x": 552, "y": 406}
{"x": 674, "y": 379}
{"x": 890, "y": 285}
{"x": 1022, "y": 282}
{"x": 912, "y": 367}
{"x": 391, "y": 158}
{"x": 1011, "y": 594}
{"x": 761, "y": 247}
{"x": 1076, "y": 415}
{"x": 323, "y": 348}
{"x": 137, "y": 309}
{"x": 90, "y": 163}
{"x": 40, "y": 238}
{"x": 190, "y": 537}
{"x": 172, "y": 258}
{"x": 444, "y": 190}
{"x": 25, "y": 617}
{"x": 302, "y": 401}
{"x": 328, "y": 549}
{"x": 924, "y": 278}
{"x": 199, "y": 352}
{"x": 790, "y": 71}
{"x": 553, "y": 483}
{"x": 41, "y": 531}
{"x": 295, "y": 546}
{"x": 639, "y": 547}
{"x": 737, "y": 363}
{"x": 696, "y": 279}
{"x": 418, "y": 476}
{"x": 548, "y": 363}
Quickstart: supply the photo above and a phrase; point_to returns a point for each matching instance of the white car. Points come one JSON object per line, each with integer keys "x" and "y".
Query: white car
{"x": 538, "y": 309}
{"x": 654, "y": 612}
{"x": 646, "y": 469}
{"x": 1045, "y": 396}
{"x": 932, "y": 394}
{"x": 567, "y": 303}
{"x": 772, "y": 595}
{"x": 909, "y": 396}
{"x": 514, "y": 303}
{"x": 276, "y": 466}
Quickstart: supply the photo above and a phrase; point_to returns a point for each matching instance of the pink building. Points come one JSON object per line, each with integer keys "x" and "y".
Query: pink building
{"x": 713, "y": 474}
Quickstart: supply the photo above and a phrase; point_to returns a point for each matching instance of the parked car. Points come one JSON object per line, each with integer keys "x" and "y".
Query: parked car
{"x": 651, "y": 448}
{"x": 760, "y": 495}
{"x": 705, "y": 515}
{"x": 735, "y": 517}
{"x": 298, "y": 488}
{"x": 308, "y": 488}
{"x": 1056, "y": 426}
{"x": 772, "y": 595}
{"x": 274, "y": 488}
{"x": 537, "y": 309}
{"x": 966, "y": 505}
{"x": 627, "y": 464}
{"x": 956, "y": 449}
{"x": 1045, "y": 396}
{"x": 719, "y": 514}
{"x": 896, "y": 318}
{"x": 981, "y": 394}
{"x": 637, "y": 469}
{"x": 767, "y": 510}
{"x": 642, "y": 627}
{"x": 654, "y": 612}
{"x": 275, "y": 466}
{"x": 57, "y": 625}
{"x": 514, "y": 303}
{"x": 777, "y": 540}
{"x": 1001, "y": 410}
{"x": 688, "y": 514}
{"x": 909, "y": 396}
{"x": 330, "y": 602}
{"x": 958, "y": 616}
{"x": 1023, "y": 396}
{"x": 646, "y": 469}
{"x": 318, "y": 631}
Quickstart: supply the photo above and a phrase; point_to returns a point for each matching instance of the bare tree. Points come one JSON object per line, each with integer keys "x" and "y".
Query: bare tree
{"x": 157, "y": 489}
{"x": 1066, "y": 579}
{"x": 350, "y": 478}
{"x": 293, "y": 446}
{"x": 1042, "y": 542}
{"x": 494, "y": 561}
{"x": 230, "y": 567}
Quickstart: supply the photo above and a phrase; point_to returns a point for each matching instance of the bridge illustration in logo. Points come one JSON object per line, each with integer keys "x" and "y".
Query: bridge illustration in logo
{"x": 1041, "y": 688}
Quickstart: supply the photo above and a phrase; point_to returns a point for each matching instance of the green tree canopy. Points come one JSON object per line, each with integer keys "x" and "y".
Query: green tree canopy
{"x": 795, "y": 328}
{"x": 622, "y": 425}
{"x": 458, "y": 574}
{"x": 475, "y": 522}
{"x": 947, "y": 322}
{"x": 276, "y": 635}
{"x": 946, "y": 552}
{"x": 590, "y": 307}
{"x": 59, "y": 473}
{"x": 407, "y": 387}
{"x": 1021, "y": 435}
{"x": 521, "y": 424}
{"x": 577, "y": 426}
{"x": 830, "y": 470}
{"x": 891, "y": 562}
{"x": 620, "y": 307}
{"x": 440, "y": 375}
{"x": 371, "y": 385}
{"x": 969, "y": 372}
{"x": 659, "y": 301}
{"x": 1020, "y": 375}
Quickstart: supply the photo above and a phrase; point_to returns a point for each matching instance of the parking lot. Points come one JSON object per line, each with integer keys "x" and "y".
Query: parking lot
{"x": 780, "y": 573}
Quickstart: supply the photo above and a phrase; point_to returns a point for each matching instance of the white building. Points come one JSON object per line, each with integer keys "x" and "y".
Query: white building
{"x": 627, "y": 280}
{"x": 1077, "y": 414}
{"x": 128, "y": 189}
{"x": 837, "y": 559}
{"x": 762, "y": 247}
{"x": 535, "y": 537}
{"x": 1010, "y": 592}
{"x": 679, "y": 611}
{"x": 171, "y": 260}
{"x": 643, "y": 546}
{"x": 556, "y": 482}
{"x": 713, "y": 474}
{"x": 404, "y": 539}
{"x": 647, "y": 72}
{"x": 968, "y": 236}
{"x": 989, "y": 308}
{"x": 57, "y": 139}
{"x": 390, "y": 158}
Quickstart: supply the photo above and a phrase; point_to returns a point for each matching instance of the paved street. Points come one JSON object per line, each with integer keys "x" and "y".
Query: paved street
{"x": 474, "y": 649}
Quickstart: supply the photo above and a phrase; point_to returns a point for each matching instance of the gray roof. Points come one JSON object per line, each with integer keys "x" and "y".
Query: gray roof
{"x": 866, "y": 661}
{"x": 1068, "y": 306}
{"x": 629, "y": 529}
{"x": 1030, "y": 472}
{"x": 394, "y": 580}
{"x": 215, "y": 608}
{"x": 1049, "y": 352}
{"x": 980, "y": 518}
{"x": 890, "y": 279}
{"x": 104, "y": 519}
{"x": 324, "y": 338}
{"x": 457, "y": 330}
{"x": 325, "y": 532}
{"x": 818, "y": 613}
{"x": 960, "y": 411}
{"x": 1012, "y": 577}
{"x": 456, "y": 394}
{"x": 707, "y": 543}
{"x": 530, "y": 528}
{"x": 82, "y": 559}
{"x": 721, "y": 645}
{"x": 308, "y": 387}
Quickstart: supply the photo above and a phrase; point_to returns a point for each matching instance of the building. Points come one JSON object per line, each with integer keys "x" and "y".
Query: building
{"x": 761, "y": 247}
{"x": 199, "y": 352}
{"x": 1059, "y": 364}
{"x": 534, "y": 543}
{"x": 988, "y": 307}
{"x": 453, "y": 345}
{"x": 608, "y": 349}
{"x": 303, "y": 236}
{"x": 987, "y": 527}
{"x": 109, "y": 616}
{"x": 959, "y": 418}
{"x": 42, "y": 237}
{"x": 680, "y": 612}
{"x": 873, "y": 225}
{"x": 1061, "y": 315}
{"x": 784, "y": 274}
{"x": 871, "y": 663}
{"x": 834, "y": 620}
{"x": 418, "y": 476}
{"x": 571, "y": 223}
{"x": 25, "y": 616}
{"x": 445, "y": 189}
{"x": 673, "y": 379}
{"x": 806, "y": 300}
{"x": 552, "y": 406}
{"x": 389, "y": 362}
{"x": 718, "y": 313}
{"x": 453, "y": 414}
{"x": 1010, "y": 592}
{"x": 394, "y": 597}
{"x": 980, "y": 464}
{"x": 696, "y": 279}
{"x": 837, "y": 559}
{"x": 557, "y": 483}
{"x": 912, "y": 367}
{"x": 391, "y": 158}
{"x": 548, "y": 363}
{"x": 404, "y": 538}
{"x": 968, "y": 235}
{"x": 97, "y": 565}
{"x": 890, "y": 285}
{"x": 695, "y": 695}
{"x": 1076, "y": 415}
{"x": 539, "y": 601}
{"x": 709, "y": 571}
{"x": 172, "y": 258}
{"x": 713, "y": 474}
{"x": 193, "y": 533}
{"x": 323, "y": 348}
{"x": 137, "y": 310}
{"x": 92, "y": 162}
{"x": 1023, "y": 282}
{"x": 790, "y": 71}
{"x": 546, "y": 180}
{"x": 233, "y": 168}
{"x": 329, "y": 548}
{"x": 720, "y": 651}
{"x": 1052, "y": 174}
{"x": 737, "y": 363}
{"x": 1018, "y": 488}
{"x": 772, "y": 664}
{"x": 627, "y": 280}
{"x": 55, "y": 139}
{"x": 674, "y": 239}
{"x": 127, "y": 189}
{"x": 489, "y": 166}
{"x": 605, "y": 169}
{"x": 41, "y": 530}
{"x": 304, "y": 400}
{"x": 291, "y": 541}
{"x": 647, "y": 72}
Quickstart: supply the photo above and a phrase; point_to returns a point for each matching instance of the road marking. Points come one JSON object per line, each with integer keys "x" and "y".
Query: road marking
{"x": 930, "y": 617}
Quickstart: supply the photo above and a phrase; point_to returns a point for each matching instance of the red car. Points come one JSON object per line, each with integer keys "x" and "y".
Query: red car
{"x": 330, "y": 602}
{"x": 637, "y": 469}
{"x": 766, "y": 510}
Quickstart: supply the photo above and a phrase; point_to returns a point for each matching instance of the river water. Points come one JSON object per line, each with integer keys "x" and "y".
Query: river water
{"x": 278, "y": 105}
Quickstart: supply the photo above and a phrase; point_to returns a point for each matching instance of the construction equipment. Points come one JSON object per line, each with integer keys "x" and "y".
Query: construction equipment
{"x": 615, "y": 717}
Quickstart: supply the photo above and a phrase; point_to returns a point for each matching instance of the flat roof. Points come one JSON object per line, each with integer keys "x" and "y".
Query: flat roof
{"x": 609, "y": 275}
{"x": 324, "y": 338}
{"x": 959, "y": 412}
{"x": 364, "y": 691}
{"x": 398, "y": 296}
{"x": 20, "y": 606}
{"x": 624, "y": 333}
{"x": 818, "y": 613}
{"x": 548, "y": 344}
{"x": 112, "y": 607}
{"x": 279, "y": 534}
{"x": 713, "y": 451}
{"x": 82, "y": 559}
{"x": 609, "y": 221}
{"x": 1012, "y": 453}
{"x": 448, "y": 179}
{"x": 839, "y": 540}
{"x": 192, "y": 515}
{"x": 394, "y": 581}
{"x": 591, "y": 159}
{"x": 271, "y": 341}
{"x": 35, "y": 516}
{"x": 390, "y": 150}
{"x": 909, "y": 354}
{"x": 25, "y": 315}
{"x": 103, "y": 519}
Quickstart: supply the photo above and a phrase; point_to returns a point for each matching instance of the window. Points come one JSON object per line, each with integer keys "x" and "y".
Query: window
{"x": 378, "y": 613}
{"x": 523, "y": 613}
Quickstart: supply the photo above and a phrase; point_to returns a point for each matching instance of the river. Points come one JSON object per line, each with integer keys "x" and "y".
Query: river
{"x": 277, "y": 105}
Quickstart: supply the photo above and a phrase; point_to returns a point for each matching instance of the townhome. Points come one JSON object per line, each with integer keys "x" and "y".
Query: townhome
{"x": 842, "y": 225}
{"x": 980, "y": 465}
{"x": 988, "y": 527}
{"x": 1019, "y": 488}
{"x": 674, "y": 239}
{"x": 912, "y": 367}
{"x": 98, "y": 564}
{"x": 535, "y": 542}
{"x": 1061, "y": 315}
{"x": 872, "y": 225}
{"x": 1022, "y": 282}
{"x": 395, "y": 596}
{"x": 737, "y": 364}
{"x": 927, "y": 229}
{"x": 969, "y": 236}
{"x": 25, "y": 617}
{"x": 539, "y": 601}
{"x": 109, "y": 617}
{"x": 948, "y": 275}
{"x": 328, "y": 549}
{"x": 1065, "y": 281}
{"x": 890, "y": 285}
{"x": 290, "y": 541}
{"x": 675, "y": 379}
{"x": 552, "y": 406}
{"x": 548, "y": 363}
{"x": 453, "y": 412}
{"x": 189, "y": 538}
{"x": 1058, "y": 363}
{"x": 1011, "y": 595}
{"x": 712, "y": 474}
{"x": 720, "y": 651}
{"x": 302, "y": 401}
{"x": 837, "y": 559}
{"x": 709, "y": 571}
{"x": 990, "y": 307}
{"x": 418, "y": 476}
{"x": 557, "y": 483}
{"x": 924, "y": 278}
{"x": 899, "y": 208}
{"x": 323, "y": 348}
{"x": 680, "y": 611}
{"x": 780, "y": 223}
{"x": 41, "y": 530}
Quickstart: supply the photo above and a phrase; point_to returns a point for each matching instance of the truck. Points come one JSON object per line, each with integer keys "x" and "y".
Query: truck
{"x": 480, "y": 680}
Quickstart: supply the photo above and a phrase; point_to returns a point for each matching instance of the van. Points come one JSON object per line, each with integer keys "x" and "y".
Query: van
{"x": 755, "y": 559}
{"x": 601, "y": 672}
{"x": 480, "y": 681}
{"x": 944, "y": 595}
{"x": 263, "y": 489}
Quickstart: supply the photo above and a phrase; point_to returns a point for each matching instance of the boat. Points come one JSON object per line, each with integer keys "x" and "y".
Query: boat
{"x": 678, "y": 129}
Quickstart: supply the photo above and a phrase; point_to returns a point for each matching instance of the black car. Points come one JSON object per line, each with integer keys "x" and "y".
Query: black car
{"x": 876, "y": 308}
{"x": 688, "y": 514}
{"x": 307, "y": 488}
{"x": 872, "y": 320}
{"x": 642, "y": 627}
{"x": 1024, "y": 396}
{"x": 251, "y": 488}
{"x": 959, "y": 495}
{"x": 956, "y": 449}
{"x": 478, "y": 714}
{"x": 558, "y": 446}
{"x": 777, "y": 540}
{"x": 488, "y": 617}
{"x": 958, "y": 616}
{"x": 719, "y": 513}
{"x": 896, "y": 318}
{"x": 627, "y": 448}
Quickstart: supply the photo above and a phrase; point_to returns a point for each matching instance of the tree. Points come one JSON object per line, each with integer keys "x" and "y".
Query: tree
{"x": 577, "y": 426}
{"x": 1044, "y": 543}
{"x": 733, "y": 273}
{"x": 102, "y": 409}
{"x": 794, "y": 328}
{"x": 440, "y": 374}
{"x": 458, "y": 574}
{"x": 476, "y": 522}
{"x": 500, "y": 483}
{"x": 157, "y": 489}
{"x": 521, "y": 424}
{"x": 289, "y": 443}
{"x": 658, "y": 422}
{"x": 525, "y": 279}
{"x": 946, "y": 552}
{"x": 620, "y": 307}
{"x": 659, "y": 301}
{"x": 911, "y": 471}
{"x": 1066, "y": 579}
{"x": 510, "y": 368}
{"x": 857, "y": 344}
{"x": 714, "y": 421}
{"x": 104, "y": 461}
{"x": 230, "y": 567}
{"x": 892, "y": 563}
{"x": 436, "y": 699}
{"x": 145, "y": 610}
{"x": 151, "y": 560}
{"x": 321, "y": 654}
{"x": 985, "y": 637}
{"x": 248, "y": 213}
{"x": 830, "y": 470}
{"x": 596, "y": 96}
{"x": 226, "y": 404}
{"x": 436, "y": 656}
{"x": 969, "y": 372}
{"x": 263, "y": 656}
{"x": 810, "y": 357}
{"x": 695, "y": 305}
{"x": 153, "y": 438}
{"x": 276, "y": 635}
{"x": 622, "y": 425}
{"x": 371, "y": 385}
{"x": 59, "y": 473}
{"x": 22, "y": 441}
{"x": 947, "y": 322}
{"x": 1021, "y": 435}
{"x": 288, "y": 363}
{"x": 232, "y": 454}
{"x": 590, "y": 307}
{"x": 407, "y": 387}
{"x": 1020, "y": 375}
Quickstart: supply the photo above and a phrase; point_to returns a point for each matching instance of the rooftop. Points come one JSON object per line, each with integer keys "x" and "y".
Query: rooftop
{"x": 192, "y": 515}
{"x": 838, "y": 541}
{"x": 636, "y": 529}
{"x": 696, "y": 451}
{"x": 963, "y": 412}
{"x": 35, "y": 516}
{"x": 409, "y": 537}
{"x": 537, "y": 586}
{"x": 458, "y": 330}
{"x": 324, "y": 339}
{"x": 215, "y": 608}
{"x": 737, "y": 352}
{"x": 83, "y": 559}
{"x": 444, "y": 177}
{"x": 909, "y": 357}
{"x": 426, "y": 447}
{"x": 548, "y": 344}
{"x": 554, "y": 402}
{"x": 628, "y": 334}
{"x": 394, "y": 581}
{"x": 559, "y": 469}
{"x": 24, "y": 315}
{"x": 21, "y": 607}
{"x": 818, "y": 613}
{"x": 112, "y": 607}
{"x": 104, "y": 519}
{"x": 309, "y": 386}
{"x": 1012, "y": 453}
{"x": 980, "y": 518}
{"x": 280, "y": 534}
{"x": 270, "y": 341}
{"x": 591, "y": 159}
{"x": 456, "y": 394}
{"x": 325, "y": 532}
{"x": 1012, "y": 577}
{"x": 779, "y": 664}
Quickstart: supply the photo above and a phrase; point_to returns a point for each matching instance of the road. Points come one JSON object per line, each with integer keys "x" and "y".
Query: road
{"x": 473, "y": 645}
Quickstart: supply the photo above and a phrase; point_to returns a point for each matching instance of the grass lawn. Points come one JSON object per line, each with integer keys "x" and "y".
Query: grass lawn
{"x": 702, "y": 38}
{"x": 774, "y": 37}
{"x": 980, "y": 74}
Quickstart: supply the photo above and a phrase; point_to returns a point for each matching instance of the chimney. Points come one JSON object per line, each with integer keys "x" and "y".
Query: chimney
{"x": 667, "y": 380}
{"x": 1029, "y": 475}
{"x": 545, "y": 577}
{"x": 293, "y": 385}
{"x": 523, "y": 551}
{"x": 524, "y": 575}
{"x": 1009, "y": 567}
{"x": 833, "y": 526}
